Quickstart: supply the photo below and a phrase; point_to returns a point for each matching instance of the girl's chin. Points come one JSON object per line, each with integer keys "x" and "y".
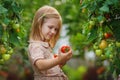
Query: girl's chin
{"x": 48, "y": 38}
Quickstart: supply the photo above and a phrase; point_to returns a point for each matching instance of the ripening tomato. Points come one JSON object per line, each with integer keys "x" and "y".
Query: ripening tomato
{"x": 2, "y": 49}
{"x": 100, "y": 70}
{"x": 103, "y": 44}
{"x": 17, "y": 30}
{"x": 65, "y": 49}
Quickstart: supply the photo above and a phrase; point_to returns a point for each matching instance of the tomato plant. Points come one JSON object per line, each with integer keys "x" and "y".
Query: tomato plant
{"x": 12, "y": 32}
{"x": 105, "y": 31}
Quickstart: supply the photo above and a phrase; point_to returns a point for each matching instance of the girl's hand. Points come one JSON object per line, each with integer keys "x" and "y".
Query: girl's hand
{"x": 64, "y": 56}
{"x": 60, "y": 65}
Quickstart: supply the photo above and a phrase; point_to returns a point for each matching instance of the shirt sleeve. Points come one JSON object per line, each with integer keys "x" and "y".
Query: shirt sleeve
{"x": 35, "y": 53}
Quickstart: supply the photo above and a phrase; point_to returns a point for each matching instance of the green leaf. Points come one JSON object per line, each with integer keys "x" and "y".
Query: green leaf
{"x": 6, "y": 21}
{"x": 5, "y": 36}
{"x": 16, "y": 7}
{"x": 78, "y": 40}
{"x": 2, "y": 9}
{"x": 100, "y": 18}
{"x": 104, "y": 8}
{"x": 93, "y": 35}
{"x": 108, "y": 2}
{"x": 1, "y": 31}
{"x": 14, "y": 39}
{"x": 115, "y": 1}
{"x": 116, "y": 29}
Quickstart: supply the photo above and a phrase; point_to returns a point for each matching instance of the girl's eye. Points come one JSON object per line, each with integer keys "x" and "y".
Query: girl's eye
{"x": 50, "y": 27}
{"x": 56, "y": 29}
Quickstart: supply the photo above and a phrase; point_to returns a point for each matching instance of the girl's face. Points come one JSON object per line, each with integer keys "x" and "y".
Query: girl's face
{"x": 50, "y": 28}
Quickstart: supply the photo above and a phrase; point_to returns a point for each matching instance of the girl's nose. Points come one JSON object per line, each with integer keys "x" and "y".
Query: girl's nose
{"x": 53, "y": 31}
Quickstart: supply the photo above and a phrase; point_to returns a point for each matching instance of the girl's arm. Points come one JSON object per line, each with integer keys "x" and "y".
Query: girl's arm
{"x": 43, "y": 64}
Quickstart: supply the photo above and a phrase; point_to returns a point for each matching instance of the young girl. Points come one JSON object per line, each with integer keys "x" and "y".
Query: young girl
{"x": 44, "y": 34}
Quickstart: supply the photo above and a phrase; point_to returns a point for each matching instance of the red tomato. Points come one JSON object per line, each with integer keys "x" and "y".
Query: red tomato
{"x": 65, "y": 49}
{"x": 107, "y": 35}
{"x": 100, "y": 70}
{"x": 55, "y": 55}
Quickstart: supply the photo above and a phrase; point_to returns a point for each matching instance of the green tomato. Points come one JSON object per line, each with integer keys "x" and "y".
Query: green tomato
{"x": 95, "y": 46}
{"x": 111, "y": 56}
{"x": 16, "y": 26}
{"x": 10, "y": 51}
{"x": 98, "y": 52}
{"x": 103, "y": 57}
{"x": 118, "y": 44}
{"x": 6, "y": 56}
{"x": 92, "y": 23}
{"x": 111, "y": 60}
{"x": 1, "y": 61}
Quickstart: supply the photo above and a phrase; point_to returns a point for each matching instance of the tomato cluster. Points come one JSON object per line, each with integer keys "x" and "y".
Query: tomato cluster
{"x": 5, "y": 53}
{"x": 104, "y": 49}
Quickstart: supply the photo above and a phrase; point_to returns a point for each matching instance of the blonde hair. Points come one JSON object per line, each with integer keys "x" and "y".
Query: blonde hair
{"x": 43, "y": 13}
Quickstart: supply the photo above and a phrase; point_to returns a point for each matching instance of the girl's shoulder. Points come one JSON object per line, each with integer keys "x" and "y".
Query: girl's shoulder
{"x": 38, "y": 44}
